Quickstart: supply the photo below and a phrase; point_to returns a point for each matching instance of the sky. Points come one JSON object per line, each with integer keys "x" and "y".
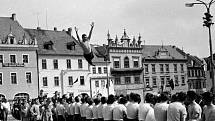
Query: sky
{"x": 166, "y": 22}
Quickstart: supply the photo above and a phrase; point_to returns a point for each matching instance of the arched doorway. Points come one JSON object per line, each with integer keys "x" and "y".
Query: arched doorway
{"x": 21, "y": 96}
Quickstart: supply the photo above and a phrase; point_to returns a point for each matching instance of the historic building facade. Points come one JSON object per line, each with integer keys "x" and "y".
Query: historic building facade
{"x": 196, "y": 74}
{"x": 18, "y": 60}
{"x": 126, "y": 64}
{"x": 164, "y": 64}
{"x": 101, "y": 81}
{"x": 61, "y": 64}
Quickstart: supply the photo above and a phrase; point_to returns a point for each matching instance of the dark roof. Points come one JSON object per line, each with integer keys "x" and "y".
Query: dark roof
{"x": 150, "y": 52}
{"x": 7, "y": 26}
{"x": 194, "y": 61}
{"x": 60, "y": 40}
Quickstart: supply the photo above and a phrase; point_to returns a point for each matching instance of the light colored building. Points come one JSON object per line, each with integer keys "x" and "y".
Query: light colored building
{"x": 100, "y": 76}
{"x": 126, "y": 64}
{"x": 162, "y": 64}
{"x": 18, "y": 60}
{"x": 61, "y": 64}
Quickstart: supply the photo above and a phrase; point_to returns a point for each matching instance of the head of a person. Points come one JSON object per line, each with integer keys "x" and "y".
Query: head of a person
{"x": 181, "y": 97}
{"x": 89, "y": 100}
{"x": 84, "y": 37}
{"x": 122, "y": 100}
{"x": 207, "y": 98}
{"x": 164, "y": 97}
{"x": 149, "y": 98}
{"x": 77, "y": 99}
{"x": 103, "y": 100}
{"x": 97, "y": 101}
{"x": 111, "y": 99}
{"x": 37, "y": 101}
{"x": 191, "y": 96}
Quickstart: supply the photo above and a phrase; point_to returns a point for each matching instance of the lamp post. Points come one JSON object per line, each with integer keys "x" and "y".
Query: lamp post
{"x": 207, "y": 22}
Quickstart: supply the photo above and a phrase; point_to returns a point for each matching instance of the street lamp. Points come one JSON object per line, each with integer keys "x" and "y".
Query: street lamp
{"x": 207, "y": 22}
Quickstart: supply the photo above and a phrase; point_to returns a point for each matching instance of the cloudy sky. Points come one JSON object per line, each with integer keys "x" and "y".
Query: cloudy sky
{"x": 158, "y": 21}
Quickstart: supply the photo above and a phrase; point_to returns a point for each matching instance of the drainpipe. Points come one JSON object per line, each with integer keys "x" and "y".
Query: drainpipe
{"x": 38, "y": 77}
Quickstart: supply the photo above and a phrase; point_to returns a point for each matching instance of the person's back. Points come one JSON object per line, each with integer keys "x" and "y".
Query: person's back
{"x": 119, "y": 112}
{"x": 160, "y": 111}
{"x": 194, "y": 111}
{"x": 176, "y": 111}
{"x": 209, "y": 113}
{"x": 132, "y": 110}
{"x": 143, "y": 111}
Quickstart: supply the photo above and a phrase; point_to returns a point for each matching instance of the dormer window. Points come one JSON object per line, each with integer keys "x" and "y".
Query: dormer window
{"x": 71, "y": 45}
{"x": 48, "y": 45}
{"x": 11, "y": 39}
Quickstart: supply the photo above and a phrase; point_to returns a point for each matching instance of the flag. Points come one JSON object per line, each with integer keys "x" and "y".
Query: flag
{"x": 171, "y": 83}
{"x": 76, "y": 81}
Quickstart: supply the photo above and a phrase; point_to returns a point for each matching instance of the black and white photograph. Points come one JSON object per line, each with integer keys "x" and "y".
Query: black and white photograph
{"x": 107, "y": 60}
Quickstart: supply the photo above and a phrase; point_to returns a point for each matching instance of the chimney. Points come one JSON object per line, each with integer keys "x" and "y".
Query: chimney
{"x": 55, "y": 28}
{"x": 13, "y": 17}
{"x": 69, "y": 32}
{"x": 38, "y": 28}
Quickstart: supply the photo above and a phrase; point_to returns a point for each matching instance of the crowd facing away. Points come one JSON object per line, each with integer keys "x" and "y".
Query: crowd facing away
{"x": 162, "y": 107}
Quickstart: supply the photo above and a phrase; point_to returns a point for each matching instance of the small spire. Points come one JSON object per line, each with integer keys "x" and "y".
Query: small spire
{"x": 139, "y": 37}
{"x": 124, "y": 32}
{"x": 108, "y": 35}
{"x": 134, "y": 41}
{"x": 162, "y": 43}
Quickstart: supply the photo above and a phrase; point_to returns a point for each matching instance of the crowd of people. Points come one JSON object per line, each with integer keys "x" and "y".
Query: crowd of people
{"x": 162, "y": 107}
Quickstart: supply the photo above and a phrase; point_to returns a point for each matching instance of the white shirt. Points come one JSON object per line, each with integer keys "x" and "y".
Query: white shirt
{"x": 150, "y": 115}
{"x": 160, "y": 111}
{"x": 176, "y": 112}
{"x": 143, "y": 111}
{"x": 119, "y": 111}
{"x": 72, "y": 109}
{"x": 209, "y": 112}
{"x": 89, "y": 112}
{"x": 100, "y": 108}
{"x": 95, "y": 111}
{"x": 194, "y": 111}
{"x": 107, "y": 112}
{"x": 60, "y": 109}
{"x": 83, "y": 108}
{"x": 132, "y": 110}
{"x": 77, "y": 108}
{"x": 6, "y": 105}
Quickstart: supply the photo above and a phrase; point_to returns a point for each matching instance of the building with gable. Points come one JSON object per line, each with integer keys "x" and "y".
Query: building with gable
{"x": 163, "y": 64}
{"x": 101, "y": 81}
{"x": 18, "y": 60}
{"x": 126, "y": 64}
{"x": 61, "y": 64}
{"x": 196, "y": 74}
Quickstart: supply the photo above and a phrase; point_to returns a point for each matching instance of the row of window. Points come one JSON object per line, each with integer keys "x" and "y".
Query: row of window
{"x": 57, "y": 81}
{"x": 13, "y": 77}
{"x": 163, "y": 68}
{"x": 13, "y": 58}
{"x": 99, "y": 70}
{"x": 197, "y": 85}
{"x": 164, "y": 81}
{"x": 196, "y": 73}
{"x": 102, "y": 83}
{"x": 68, "y": 63}
{"x": 116, "y": 62}
{"x": 127, "y": 80}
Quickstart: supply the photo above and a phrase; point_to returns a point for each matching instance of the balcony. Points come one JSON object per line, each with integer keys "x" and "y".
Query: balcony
{"x": 115, "y": 71}
{"x": 13, "y": 64}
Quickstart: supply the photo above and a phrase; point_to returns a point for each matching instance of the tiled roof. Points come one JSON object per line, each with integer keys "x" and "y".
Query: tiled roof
{"x": 7, "y": 26}
{"x": 194, "y": 60}
{"x": 60, "y": 40}
{"x": 149, "y": 52}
